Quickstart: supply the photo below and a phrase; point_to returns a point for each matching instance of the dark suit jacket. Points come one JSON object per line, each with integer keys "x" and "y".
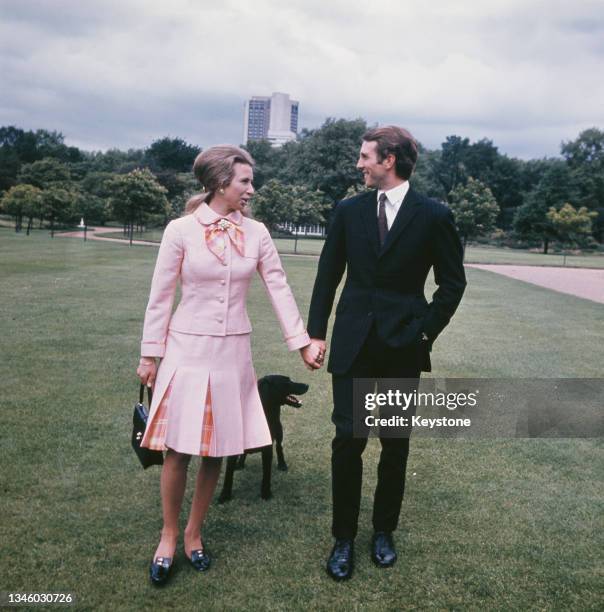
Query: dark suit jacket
{"x": 385, "y": 285}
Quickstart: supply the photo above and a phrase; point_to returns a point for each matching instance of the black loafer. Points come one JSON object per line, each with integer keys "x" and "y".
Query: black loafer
{"x": 383, "y": 552}
{"x": 159, "y": 570}
{"x": 341, "y": 560}
{"x": 200, "y": 560}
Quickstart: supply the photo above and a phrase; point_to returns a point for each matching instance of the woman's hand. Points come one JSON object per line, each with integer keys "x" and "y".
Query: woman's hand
{"x": 313, "y": 354}
{"x": 146, "y": 371}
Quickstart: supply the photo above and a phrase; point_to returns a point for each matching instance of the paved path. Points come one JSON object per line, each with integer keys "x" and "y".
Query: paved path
{"x": 96, "y": 233}
{"x": 582, "y": 282}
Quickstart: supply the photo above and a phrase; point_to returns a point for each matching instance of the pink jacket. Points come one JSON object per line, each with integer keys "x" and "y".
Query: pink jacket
{"x": 213, "y": 293}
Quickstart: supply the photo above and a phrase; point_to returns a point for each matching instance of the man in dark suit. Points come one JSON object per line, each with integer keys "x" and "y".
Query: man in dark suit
{"x": 387, "y": 240}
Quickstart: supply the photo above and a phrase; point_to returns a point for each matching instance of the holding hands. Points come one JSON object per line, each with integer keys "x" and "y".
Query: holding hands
{"x": 313, "y": 354}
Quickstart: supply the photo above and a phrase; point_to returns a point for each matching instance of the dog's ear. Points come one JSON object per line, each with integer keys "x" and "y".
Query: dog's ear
{"x": 265, "y": 388}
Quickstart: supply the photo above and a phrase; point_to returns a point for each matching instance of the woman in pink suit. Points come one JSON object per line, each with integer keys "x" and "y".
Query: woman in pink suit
{"x": 205, "y": 399}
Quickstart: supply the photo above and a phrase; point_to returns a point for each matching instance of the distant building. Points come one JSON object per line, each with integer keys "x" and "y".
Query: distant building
{"x": 303, "y": 230}
{"x": 273, "y": 118}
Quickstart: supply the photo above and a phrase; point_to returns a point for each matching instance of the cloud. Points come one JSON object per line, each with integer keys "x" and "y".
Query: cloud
{"x": 121, "y": 74}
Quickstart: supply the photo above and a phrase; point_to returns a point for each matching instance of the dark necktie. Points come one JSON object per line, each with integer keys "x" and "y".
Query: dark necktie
{"x": 382, "y": 223}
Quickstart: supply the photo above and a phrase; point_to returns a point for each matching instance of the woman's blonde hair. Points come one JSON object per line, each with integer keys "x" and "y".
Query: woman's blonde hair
{"x": 214, "y": 169}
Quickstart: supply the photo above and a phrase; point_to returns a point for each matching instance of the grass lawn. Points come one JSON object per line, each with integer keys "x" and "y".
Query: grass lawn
{"x": 492, "y": 524}
{"x": 498, "y": 255}
{"x": 474, "y": 254}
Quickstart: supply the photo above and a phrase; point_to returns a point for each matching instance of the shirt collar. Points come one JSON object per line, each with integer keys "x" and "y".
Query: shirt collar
{"x": 207, "y": 216}
{"x": 395, "y": 195}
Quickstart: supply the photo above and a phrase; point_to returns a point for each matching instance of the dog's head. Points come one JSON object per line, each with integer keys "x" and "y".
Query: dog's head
{"x": 280, "y": 390}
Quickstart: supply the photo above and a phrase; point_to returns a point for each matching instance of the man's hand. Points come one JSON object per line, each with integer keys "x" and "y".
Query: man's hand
{"x": 313, "y": 354}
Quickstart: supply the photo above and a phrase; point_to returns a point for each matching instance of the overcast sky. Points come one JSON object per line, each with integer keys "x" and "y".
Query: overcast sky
{"x": 525, "y": 73}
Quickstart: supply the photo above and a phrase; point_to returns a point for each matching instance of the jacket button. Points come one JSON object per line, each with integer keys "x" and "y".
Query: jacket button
{"x": 221, "y": 299}
{"x": 224, "y": 263}
{"x": 219, "y": 319}
{"x": 222, "y": 282}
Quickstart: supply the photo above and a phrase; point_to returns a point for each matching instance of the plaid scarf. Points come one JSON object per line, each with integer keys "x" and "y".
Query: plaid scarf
{"x": 218, "y": 229}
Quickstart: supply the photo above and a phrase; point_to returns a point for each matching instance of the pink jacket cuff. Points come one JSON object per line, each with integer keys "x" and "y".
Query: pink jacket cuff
{"x": 297, "y": 342}
{"x": 152, "y": 349}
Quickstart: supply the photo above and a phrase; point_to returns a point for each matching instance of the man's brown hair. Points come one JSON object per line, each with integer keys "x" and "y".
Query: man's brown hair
{"x": 399, "y": 142}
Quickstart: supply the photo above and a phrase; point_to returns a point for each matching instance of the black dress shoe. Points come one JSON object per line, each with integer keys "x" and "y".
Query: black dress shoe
{"x": 341, "y": 560}
{"x": 383, "y": 552}
{"x": 200, "y": 560}
{"x": 159, "y": 570}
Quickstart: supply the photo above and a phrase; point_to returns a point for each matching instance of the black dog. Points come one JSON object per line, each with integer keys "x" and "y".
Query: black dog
{"x": 275, "y": 391}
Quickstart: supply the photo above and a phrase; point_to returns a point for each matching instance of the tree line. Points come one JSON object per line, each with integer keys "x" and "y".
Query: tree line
{"x": 530, "y": 202}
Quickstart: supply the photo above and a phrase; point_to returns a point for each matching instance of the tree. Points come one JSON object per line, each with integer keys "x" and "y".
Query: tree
{"x": 22, "y": 143}
{"x": 449, "y": 167}
{"x": 533, "y": 170}
{"x": 309, "y": 207}
{"x": 355, "y": 190}
{"x": 531, "y": 223}
{"x": 269, "y": 160}
{"x": 174, "y": 183}
{"x": 114, "y": 160}
{"x": 171, "y": 154}
{"x": 91, "y": 208}
{"x": 505, "y": 181}
{"x": 80, "y": 170}
{"x": 276, "y": 203}
{"x": 136, "y": 195}
{"x": 480, "y": 158}
{"x": 51, "y": 144}
{"x": 9, "y": 168}
{"x": 326, "y": 158}
{"x": 460, "y": 159}
{"x": 475, "y": 209}
{"x": 557, "y": 186}
{"x": 44, "y": 173}
{"x": 571, "y": 225}
{"x": 93, "y": 198}
{"x": 58, "y": 204}
{"x": 18, "y": 147}
{"x": 273, "y": 204}
{"x": 585, "y": 157}
{"x": 32, "y": 208}
{"x": 189, "y": 187}
{"x": 97, "y": 183}
{"x": 22, "y": 200}
{"x": 48, "y": 174}
{"x": 423, "y": 178}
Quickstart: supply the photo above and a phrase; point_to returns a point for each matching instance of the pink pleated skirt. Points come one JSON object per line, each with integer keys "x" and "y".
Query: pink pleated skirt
{"x": 205, "y": 400}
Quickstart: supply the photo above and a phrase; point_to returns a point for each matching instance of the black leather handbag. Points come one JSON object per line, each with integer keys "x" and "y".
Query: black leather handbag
{"x": 146, "y": 456}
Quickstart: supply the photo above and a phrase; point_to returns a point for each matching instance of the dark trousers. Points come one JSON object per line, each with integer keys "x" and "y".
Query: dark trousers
{"x": 375, "y": 360}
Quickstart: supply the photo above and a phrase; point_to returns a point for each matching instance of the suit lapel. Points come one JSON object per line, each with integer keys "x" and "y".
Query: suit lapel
{"x": 408, "y": 210}
{"x": 369, "y": 219}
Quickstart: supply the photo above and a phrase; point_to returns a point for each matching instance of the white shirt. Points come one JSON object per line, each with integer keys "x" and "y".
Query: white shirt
{"x": 395, "y": 197}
